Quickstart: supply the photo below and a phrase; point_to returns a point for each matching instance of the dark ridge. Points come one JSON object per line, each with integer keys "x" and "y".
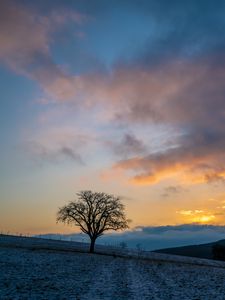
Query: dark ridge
{"x": 199, "y": 251}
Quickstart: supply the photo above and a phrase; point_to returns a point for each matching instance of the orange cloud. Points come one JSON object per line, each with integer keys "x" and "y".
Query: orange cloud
{"x": 187, "y": 163}
{"x": 203, "y": 219}
{"x": 197, "y": 216}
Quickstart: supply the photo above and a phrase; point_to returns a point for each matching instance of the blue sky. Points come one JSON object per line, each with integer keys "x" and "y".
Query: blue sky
{"x": 125, "y": 97}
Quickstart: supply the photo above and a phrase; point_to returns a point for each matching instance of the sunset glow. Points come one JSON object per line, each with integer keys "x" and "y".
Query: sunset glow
{"x": 117, "y": 97}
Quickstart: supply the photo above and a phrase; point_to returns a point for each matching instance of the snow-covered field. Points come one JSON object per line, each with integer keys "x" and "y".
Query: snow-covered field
{"x": 41, "y": 272}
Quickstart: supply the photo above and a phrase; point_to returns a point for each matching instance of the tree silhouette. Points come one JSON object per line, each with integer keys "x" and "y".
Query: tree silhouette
{"x": 94, "y": 213}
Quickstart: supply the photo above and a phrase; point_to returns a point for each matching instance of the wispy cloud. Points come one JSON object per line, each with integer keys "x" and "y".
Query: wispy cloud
{"x": 173, "y": 190}
{"x": 57, "y": 145}
{"x": 26, "y": 37}
{"x": 41, "y": 153}
{"x": 127, "y": 146}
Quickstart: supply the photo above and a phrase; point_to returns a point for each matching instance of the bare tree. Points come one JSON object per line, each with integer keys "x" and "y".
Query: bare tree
{"x": 94, "y": 213}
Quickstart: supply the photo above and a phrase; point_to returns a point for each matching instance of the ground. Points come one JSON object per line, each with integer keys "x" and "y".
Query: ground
{"x": 47, "y": 274}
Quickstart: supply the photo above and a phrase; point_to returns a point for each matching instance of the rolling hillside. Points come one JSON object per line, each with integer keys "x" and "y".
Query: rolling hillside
{"x": 34, "y": 268}
{"x": 201, "y": 251}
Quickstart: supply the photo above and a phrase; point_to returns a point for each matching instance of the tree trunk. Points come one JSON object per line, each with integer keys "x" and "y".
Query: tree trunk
{"x": 92, "y": 245}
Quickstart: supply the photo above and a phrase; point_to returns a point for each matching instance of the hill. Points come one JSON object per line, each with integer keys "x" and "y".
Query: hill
{"x": 33, "y": 268}
{"x": 200, "y": 251}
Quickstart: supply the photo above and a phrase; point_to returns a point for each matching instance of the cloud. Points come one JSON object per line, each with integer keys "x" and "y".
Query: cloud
{"x": 70, "y": 153}
{"x": 55, "y": 145}
{"x": 180, "y": 86}
{"x": 199, "y": 215}
{"x": 183, "y": 89}
{"x": 184, "y": 96}
{"x": 184, "y": 102}
{"x": 196, "y": 162}
{"x": 181, "y": 228}
{"x": 172, "y": 190}
{"x": 41, "y": 153}
{"x": 26, "y": 37}
{"x": 128, "y": 145}
{"x": 22, "y": 34}
{"x": 190, "y": 212}
{"x": 156, "y": 237}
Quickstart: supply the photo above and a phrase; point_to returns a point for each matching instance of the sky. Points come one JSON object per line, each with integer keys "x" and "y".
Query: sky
{"x": 123, "y": 97}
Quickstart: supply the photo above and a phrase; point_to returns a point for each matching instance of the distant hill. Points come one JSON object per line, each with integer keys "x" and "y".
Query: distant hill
{"x": 200, "y": 251}
{"x": 41, "y": 244}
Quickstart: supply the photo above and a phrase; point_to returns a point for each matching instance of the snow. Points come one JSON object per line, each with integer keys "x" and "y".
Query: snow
{"x": 42, "y": 269}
